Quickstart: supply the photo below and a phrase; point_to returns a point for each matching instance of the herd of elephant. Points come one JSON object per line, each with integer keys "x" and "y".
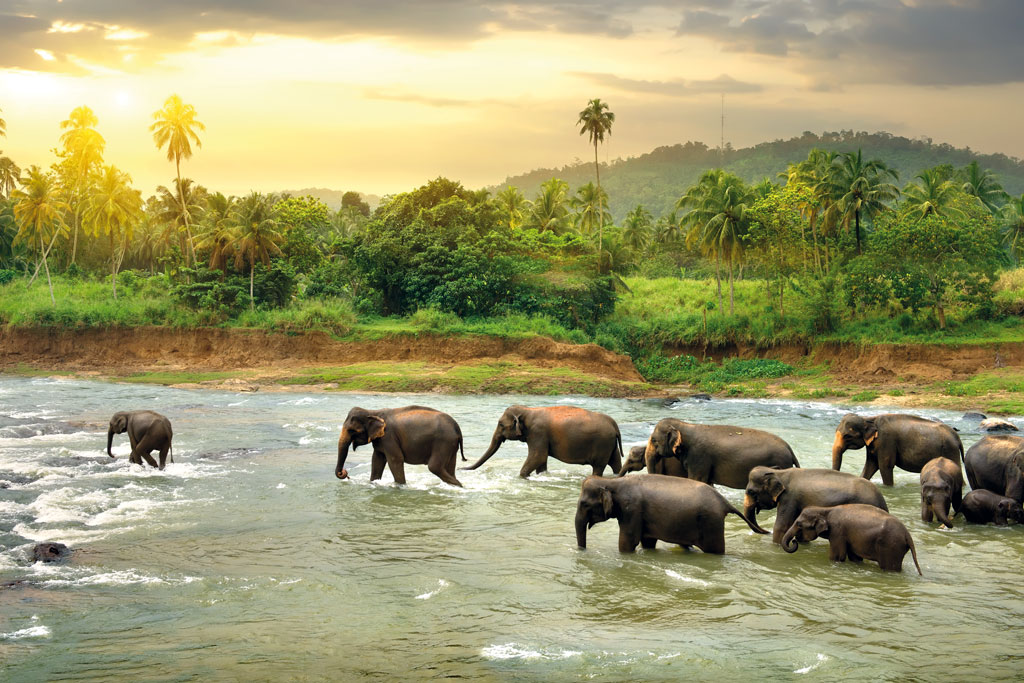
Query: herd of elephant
{"x": 675, "y": 502}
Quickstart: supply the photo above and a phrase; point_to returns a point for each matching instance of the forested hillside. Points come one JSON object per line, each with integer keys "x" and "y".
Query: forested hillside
{"x": 657, "y": 179}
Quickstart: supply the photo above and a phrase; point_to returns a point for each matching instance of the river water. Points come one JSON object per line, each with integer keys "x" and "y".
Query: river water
{"x": 247, "y": 560}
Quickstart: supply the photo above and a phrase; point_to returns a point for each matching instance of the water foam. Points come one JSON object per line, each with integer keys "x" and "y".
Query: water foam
{"x": 515, "y": 651}
{"x": 441, "y": 583}
{"x": 811, "y": 667}
{"x": 30, "y": 632}
{"x": 687, "y": 579}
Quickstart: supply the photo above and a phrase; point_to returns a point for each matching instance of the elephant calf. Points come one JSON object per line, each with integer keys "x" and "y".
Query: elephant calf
{"x": 673, "y": 467}
{"x": 854, "y": 531}
{"x": 655, "y": 507}
{"x": 147, "y": 432}
{"x": 983, "y": 506}
{"x": 942, "y": 486}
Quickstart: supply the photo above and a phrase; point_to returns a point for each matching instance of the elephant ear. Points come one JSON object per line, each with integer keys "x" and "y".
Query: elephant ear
{"x": 120, "y": 423}
{"x": 775, "y": 488}
{"x": 676, "y": 438}
{"x": 820, "y": 525}
{"x": 870, "y": 433}
{"x": 375, "y": 428}
{"x": 517, "y": 425}
{"x": 607, "y": 502}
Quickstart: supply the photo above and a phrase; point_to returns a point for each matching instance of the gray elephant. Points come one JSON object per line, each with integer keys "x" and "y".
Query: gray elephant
{"x": 854, "y": 532}
{"x": 942, "y": 485}
{"x": 147, "y": 432}
{"x": 794, "y": 489}
{"x": 655, "y": 507}
{"x": 894, "y": 440}
{"x": 572, "y": 435}
{"x": 996, "y": 463}
{"x": 414, "y": 434}
{"x": 636, "y": 461}
{"x": 715, "y": 454}
{"x": 982, "y": 506}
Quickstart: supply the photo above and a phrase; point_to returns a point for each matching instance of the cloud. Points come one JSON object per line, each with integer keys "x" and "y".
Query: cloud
{"x": 673, "y": 88}
{"x": 432, "y": 101}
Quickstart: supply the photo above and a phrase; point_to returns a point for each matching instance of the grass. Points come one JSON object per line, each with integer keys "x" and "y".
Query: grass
{"x": 167, "y": 378}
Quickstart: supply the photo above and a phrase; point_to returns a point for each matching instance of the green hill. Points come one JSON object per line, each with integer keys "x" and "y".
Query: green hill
{"x": 658, "y": 178}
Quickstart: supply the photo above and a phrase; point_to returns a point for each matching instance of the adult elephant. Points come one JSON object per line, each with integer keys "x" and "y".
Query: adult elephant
{"x": 894, "y": 440}
{"x": 572, "y": 435}
{"x": 414, "y": 434}
{"x": 794, "y": 489}
{"x": 716, "y": 454}
{"x": 996, "y": 463}
{"x": 636, "y": 461}
{"x": 655, "y": 507}
{"x": 147, "y": 432}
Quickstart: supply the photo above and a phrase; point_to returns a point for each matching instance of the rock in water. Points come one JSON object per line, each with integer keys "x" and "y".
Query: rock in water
{"x": 50, "y": 552}
{"x": 994, "y": 424}
{"x": 701, "y": 397}
{"x": 974, "y": 416}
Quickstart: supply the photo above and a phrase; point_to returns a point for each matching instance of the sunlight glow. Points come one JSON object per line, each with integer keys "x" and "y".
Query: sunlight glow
{"x": 119, "y": 33}
{"x": 46, "y": 55}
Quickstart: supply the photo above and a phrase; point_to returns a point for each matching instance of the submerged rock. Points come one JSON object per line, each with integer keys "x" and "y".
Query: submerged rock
{"x": 669, "y": 402}
{"x": 50, "y": 552}
{"x": 701, "y": 397}
{"x": 994, "y": 424}
{"x": 974, "y": 416}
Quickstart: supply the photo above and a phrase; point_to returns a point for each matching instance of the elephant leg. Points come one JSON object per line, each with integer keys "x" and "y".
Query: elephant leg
{"x": 886, "y": 476}
{"x": 648, "y": 543}
{"x": 442, "y": 464}
{"x": 542, "y": 468}
{"x": 837, "y": 548}
{"x": 377, "y": 463}
{"x": 142, "y": 450}
{"x": 870, "y": 467}
{"x": 713, "y": 542}
{"x": 396, "y": 463}
{"x": 163, "y": 455}
{"x": 958, "y": 499}
{"x": 926, "y": 512}
{"x": 535, "y": 462}
{"x": 853, "y": 557}
{"x": 784, "y": 519}
{"x": 615, "y": 461}
{"x": 627, "y": 541}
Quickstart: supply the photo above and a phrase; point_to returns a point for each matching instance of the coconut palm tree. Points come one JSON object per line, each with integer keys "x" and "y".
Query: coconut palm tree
{"x": 982, "y": 184}
{"x": 596, "y": 120}
{"x": 258, "y": 236}
{"x": 861, "y": 188}
{"x": 813, "y": 173}
{"x": 550, "y": 211}
{"x": 512, "y": 203}
{"x": 220, "y": 234}
{"x": 81, "y": 158}
{"x": 9, "y": 256}
{"x": 590, "y": 214}
{"x": 1012, "y": 222}
{"x": 3, "y": 125}
{"x": 180, "y": 208}
{"x": 9, "y": 174}
{"x": 175, "y": 127}
{"x": 932, "y": 195}
{"x": 114, "y": 209}
{"x": 636, "y": 229}
{"x": 39, "y": 209}
{"x": 667, "y": 229}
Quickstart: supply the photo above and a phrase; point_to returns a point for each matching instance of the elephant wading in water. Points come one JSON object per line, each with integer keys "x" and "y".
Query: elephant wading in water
{"x": 635, "y": 462}
{"x": 572, "y": 435}
{"x": 653, "y": 507}
{"x": 794, "y": 489}
{"x": 996, "y": 463}
{"x": 942, "y": 486}
{"x": 147, "y": 432}
{"x": 715, "y": 454}
{"x": 982, "y": 506}
{"x": 413, "y": 434}
{"x": 856, "y": 532}
{"x": 894, "y": 440}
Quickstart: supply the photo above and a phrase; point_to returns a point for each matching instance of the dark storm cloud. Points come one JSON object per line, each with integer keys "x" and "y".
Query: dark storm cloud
{"x": 674, "y": 88}
{"x": 926, "y": 42}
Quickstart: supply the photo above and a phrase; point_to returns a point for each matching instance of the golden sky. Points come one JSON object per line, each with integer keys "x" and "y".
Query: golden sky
{"x": 382, "y": 95}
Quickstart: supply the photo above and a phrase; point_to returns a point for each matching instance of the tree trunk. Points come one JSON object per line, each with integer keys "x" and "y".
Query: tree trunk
{"x": 113, "y": 266}
{"x": 940, "y": 313}
{"x": 814, "y": 239}
{"x": 600, "y": 212}
{"x": 718, "y": 280}
{"x": 252, "y": 299}
{"x": 732, "y": 296}
{"x": 53, "y": 299}
{"x": 782, "y": 289}
{"x": 856, "y": 219}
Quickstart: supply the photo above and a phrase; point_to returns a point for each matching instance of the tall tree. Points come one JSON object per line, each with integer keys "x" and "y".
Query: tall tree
{"x": 258, "y": 235}
{"x": 636, "y": 229}
{"x": 819, "y": 204}
{"x": 181, "y": 208}
{"x": 219, "y": 234}
{"x": 513, "y": 204}
{"x": 114, "y": 209}
{"x": 596, "y": 121}
{"x": 9, "y": 174}
{"x": 3, "y": 125}
{"x": 932, "y": 196}
{"x": 549, "y": 211}
{"x": 81, "y": 159}
{"x": 175, "y": 126}
{"x": 1012, "y": 223}
{"x": 862, "y": 188}
{"x": 590, "y": 213}
{"x": 39, "y": 210}
{"x": 981, "y": 184}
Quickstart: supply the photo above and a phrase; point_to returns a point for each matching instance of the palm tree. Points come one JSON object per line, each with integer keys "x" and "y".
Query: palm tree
{"x": 3, "y": 126}
{"x": 38, "y": 209}
{"x": 179, "y": 209}
{"x": 549, "y": 211}
{"x": 1012, "y": 222}
{"x": 718, "y": 205}
{"x": 114, "y": 208}
{"x": 81, "y": 157}
{"x": 932, "y": 195}
{"x": 9, "y": 174}
{"x": 258, "y": 236}
{"x": 596, "y": 120}
{"x": 813, "y": 173}
{"x": 175, "y": 127}
{"x": 636, "y": 229}
{"x": 590, "y": 214}
{"x": 512, "y": 203}
{"x": 9, "y": 257}
{"x": 982, "y": 185}
{"x": 667, "y": 230}
{"x": 220, "y": 234}
{"x": 861, "y": 188}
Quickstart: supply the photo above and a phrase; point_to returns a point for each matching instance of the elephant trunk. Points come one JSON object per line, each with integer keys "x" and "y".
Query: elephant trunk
{"x": 581, "y": 530}
{"x": 496, "y": 442}
{"x": 343, "y": 443}
{"x": 110, "y": 441}
{"x": 650, "y": 453}
{"x": 940, "y": 507}
{"x": 789, "y": 542}
{"x": 750, "y": 508}
{"x": 837, "y": 452}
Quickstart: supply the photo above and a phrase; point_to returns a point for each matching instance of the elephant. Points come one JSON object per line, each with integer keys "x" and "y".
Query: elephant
{"x": 792, "y": 490}
{"x": 855, "y": 531}
{"x": 147, "y": 432}
{"x": 996, "y": 463}
{"x": 982, "y": 506}
{"x": 672, "y": 467}
{"x": 656, "y": 507}
{"x": 894, "y": 440}
{"x": 414, "y": 434}
{"x": 715, "y": 454}
{"x": 942, "y": 486}
{"x": 572, "y": 435}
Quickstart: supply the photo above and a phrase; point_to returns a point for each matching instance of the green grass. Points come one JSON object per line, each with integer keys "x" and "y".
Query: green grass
{"x": 863, "y": 396}
{"x": 167, "y": 378}
{"x": 985, "y": 383}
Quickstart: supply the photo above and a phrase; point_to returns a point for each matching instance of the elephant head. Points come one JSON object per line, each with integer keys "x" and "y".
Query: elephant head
{"x": 666, "y": 441}
{"x": 764, "y": 486}
{"x": 118, "y": 425}
{"x": 852, "y": 433}
{"x": 511, "y": 427}
{"x": 360, "y": 428}
{"x": 634, "y": 462}
{"x": 808, "y": 526}
{"x": 1008, "y": 509}
{"x": 939, "y": 498}
{"x": 1015, "y": 476}
{"x": 596, "y": 504}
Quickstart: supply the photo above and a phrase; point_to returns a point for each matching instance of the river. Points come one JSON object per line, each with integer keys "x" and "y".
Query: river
{"x": 248, "y": 560}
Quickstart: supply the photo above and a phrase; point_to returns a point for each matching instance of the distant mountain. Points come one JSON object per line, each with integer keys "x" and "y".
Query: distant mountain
{"x": 658, "y": 178}
{"x": 332, "y": 198}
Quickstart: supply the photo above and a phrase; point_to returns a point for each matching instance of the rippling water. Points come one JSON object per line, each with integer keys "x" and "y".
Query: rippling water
{"x": 247, "y": 559}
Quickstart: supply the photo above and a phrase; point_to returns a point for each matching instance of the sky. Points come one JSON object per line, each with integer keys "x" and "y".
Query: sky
{"x": 380, "y": 96}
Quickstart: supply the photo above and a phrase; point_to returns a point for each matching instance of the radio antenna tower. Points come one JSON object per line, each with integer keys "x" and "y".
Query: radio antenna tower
{"x": 721, "y": 143}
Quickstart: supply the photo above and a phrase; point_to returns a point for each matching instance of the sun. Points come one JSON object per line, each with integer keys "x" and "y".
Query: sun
{"x": 124, "y": 99}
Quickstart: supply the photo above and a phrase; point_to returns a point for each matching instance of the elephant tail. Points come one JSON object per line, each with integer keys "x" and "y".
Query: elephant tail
{"x": 751, "y": 523}
{"x": 170, "y": 453}
{"x": 796, "y": 463}
{"x": 461, "y": 449}
{"x": 913, "y": 553}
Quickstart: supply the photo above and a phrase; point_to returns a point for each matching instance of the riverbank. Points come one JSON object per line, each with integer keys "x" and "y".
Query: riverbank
{"x": 986, "y": 377}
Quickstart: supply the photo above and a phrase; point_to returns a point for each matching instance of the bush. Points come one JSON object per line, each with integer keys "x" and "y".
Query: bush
{"x": 7, "y": 275}
{"x": 434, "y": 320}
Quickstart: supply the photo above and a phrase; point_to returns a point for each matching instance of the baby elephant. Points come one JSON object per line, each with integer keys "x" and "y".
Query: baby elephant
{"x": 982, "y": 506}
{"x": 147, "y": 432}
{"x": 854, "y": 531}
{"x": 942, "y": 485}
{"x": 656, "y": 507}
